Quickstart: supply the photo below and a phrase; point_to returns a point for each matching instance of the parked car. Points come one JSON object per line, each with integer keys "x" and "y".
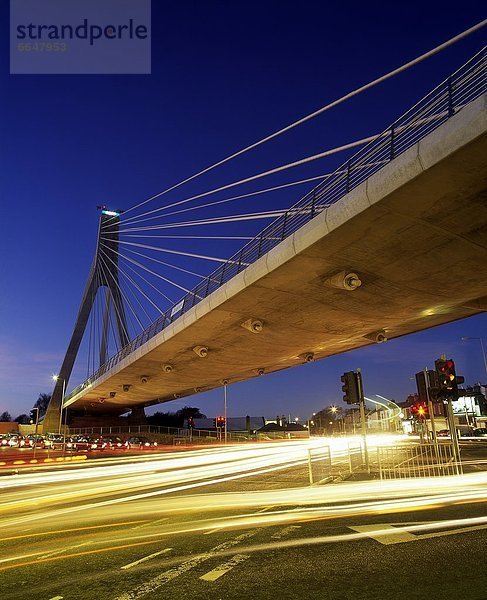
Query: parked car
{"x": 443, "y": 433}
{"x": 97, "y": 443}
{"x": 78, "y": 442}
{"x": 14, "y": 441}
{"x": 480, "y": 432}
{"x": 140, "y": 442}
{"x": 5, "y": 439}
{"x": 57, "y": 441}
{"x": 113, "y": 442}
{"x": 32, "y": 440}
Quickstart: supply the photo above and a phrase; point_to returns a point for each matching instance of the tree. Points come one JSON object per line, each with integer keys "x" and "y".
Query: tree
{"x": 5, "y": 417}
{"x": 23, "y": 419}
{"x": 190, "y": 411}
{"x": 41, "y": 403}
{"x": 175, "y": 419}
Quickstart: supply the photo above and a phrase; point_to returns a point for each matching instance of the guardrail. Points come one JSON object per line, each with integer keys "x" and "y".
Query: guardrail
{"x": 444, "y": 101}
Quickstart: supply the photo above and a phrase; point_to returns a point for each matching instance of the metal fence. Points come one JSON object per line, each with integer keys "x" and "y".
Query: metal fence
{"x": 355, "y": 457}
{"x": 423, "y": 460}
{"x": 320, "y": 465}
{"x": 180, "y": 433}
{"x": 454, "y": 93}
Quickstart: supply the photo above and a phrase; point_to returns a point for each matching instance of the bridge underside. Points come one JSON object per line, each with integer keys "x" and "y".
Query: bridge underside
{"x": 415, "y": 232}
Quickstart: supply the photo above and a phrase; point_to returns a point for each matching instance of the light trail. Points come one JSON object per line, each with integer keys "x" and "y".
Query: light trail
{"x": 332, "y": 502}
{"x": 107, "y": 500}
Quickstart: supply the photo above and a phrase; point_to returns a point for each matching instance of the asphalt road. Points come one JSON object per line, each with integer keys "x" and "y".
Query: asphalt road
{"x": 266, "y": 535}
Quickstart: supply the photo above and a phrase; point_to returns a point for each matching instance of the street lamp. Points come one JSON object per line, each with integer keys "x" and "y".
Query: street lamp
{"x": 467, "y": 338}
{"x": 57, "y": 378}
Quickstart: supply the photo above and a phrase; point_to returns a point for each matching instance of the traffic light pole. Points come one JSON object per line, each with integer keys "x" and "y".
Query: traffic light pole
{"x": 225, "y": 410}
{"x": 362, "y": 418}
{"x": 431, "y": 412}
{"x": 454, "y": 435}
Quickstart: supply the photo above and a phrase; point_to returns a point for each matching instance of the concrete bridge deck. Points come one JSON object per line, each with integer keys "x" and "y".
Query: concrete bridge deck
{"x": 415, "y": 233}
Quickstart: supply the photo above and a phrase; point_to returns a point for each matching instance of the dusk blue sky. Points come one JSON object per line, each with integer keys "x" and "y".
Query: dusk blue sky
{"x": 224, "y": 74}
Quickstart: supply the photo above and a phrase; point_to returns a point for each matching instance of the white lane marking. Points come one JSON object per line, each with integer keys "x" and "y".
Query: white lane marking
{"x": 141, "y": 560}
{"x": 452, "y": 532}
{"x": 220, "y": 528}
{"x": 286, "y": 531}
{"x": 219, "y": 571}
{"x": 212, "y": 531}
{"x": 150, "y": 523}
{"x": 54, "y": 552}
{"x": 153, "y": 584}
{"x": 398, "y": 534}
{"x": 395, "y": 537}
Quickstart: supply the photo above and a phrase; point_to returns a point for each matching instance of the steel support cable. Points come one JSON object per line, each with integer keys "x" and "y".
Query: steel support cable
{"x": 133, "y": 283}
{"x": 210, "y": 221}
{"x": 136, "y": 285}
{"x": 178, "y": 252}
{"x": 247, "y": 195}
{"x": 188, "y": 254}
{"x": 194, "y": 237}
{"x": 158, "y": 275}
{"x": 125, "y": 324}
{"x": 321, "y": 110}
{"x": 161, "y": 262}
{"x": 384, "y": 134}
{"x": 120, "y": 270}
{"x": 124, "y": 295}
{"x": 93, "y": 319}
{"x": 297, "y": 163}
{"x": 90, "y": 329}
{"x": 166, "y": 264}
{"x": 97, "y": 342}
{"x": 107, "y": 270}
{"x": 116, "y": 342}
{"x": 216, "y": 220}
{"x": 148, "y": 282}
{"x": 132, "y": 222}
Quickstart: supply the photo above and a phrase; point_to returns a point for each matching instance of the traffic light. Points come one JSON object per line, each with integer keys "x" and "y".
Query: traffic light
{"x": 350, "y": 387}
{"x": 220, "y": 422}
{"x": 190, "y": 422}
{"x": 423, "y": 387}
{"x": 448, "y": 380}
{"x": 419, "y": 410}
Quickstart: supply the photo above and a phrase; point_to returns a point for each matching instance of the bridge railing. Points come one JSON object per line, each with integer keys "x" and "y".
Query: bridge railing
{"x": 450, "y": 96}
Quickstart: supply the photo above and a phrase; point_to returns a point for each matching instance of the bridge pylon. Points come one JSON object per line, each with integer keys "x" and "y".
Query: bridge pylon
{"x": 103, "y": 273}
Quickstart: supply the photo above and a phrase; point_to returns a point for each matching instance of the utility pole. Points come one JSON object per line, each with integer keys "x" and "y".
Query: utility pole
{"x": 225, "y": 409}
{"x": 362, "y": 418}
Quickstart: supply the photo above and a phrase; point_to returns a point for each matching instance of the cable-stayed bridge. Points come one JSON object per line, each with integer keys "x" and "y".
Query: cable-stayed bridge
{"x": 392, "y": 242}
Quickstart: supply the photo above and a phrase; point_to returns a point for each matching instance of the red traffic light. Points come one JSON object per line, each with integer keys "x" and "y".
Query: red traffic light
{"x": 419, "y": 410}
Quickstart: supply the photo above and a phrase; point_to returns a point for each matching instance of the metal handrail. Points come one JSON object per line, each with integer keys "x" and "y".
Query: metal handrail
{"x": 448, "y": 98}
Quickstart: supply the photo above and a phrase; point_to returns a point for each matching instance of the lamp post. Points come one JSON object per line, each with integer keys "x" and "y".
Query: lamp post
{"x": 56, "y": 378}
{"x": 467, "y": 338}
{"x": 334, "y": 410}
